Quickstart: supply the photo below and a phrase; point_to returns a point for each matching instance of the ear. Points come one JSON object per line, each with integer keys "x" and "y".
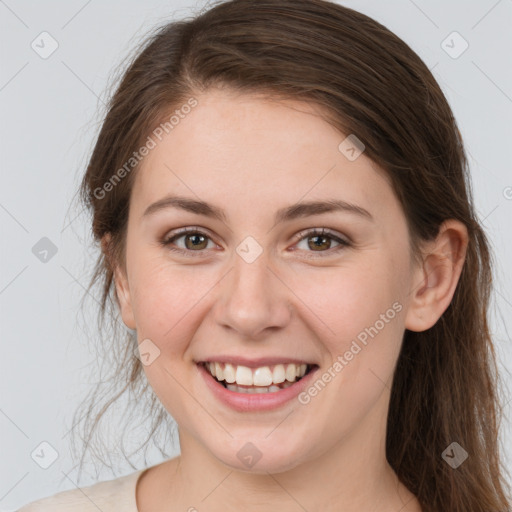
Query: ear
{"x": 435, "y": 281}
{"x": 120, "y": 283}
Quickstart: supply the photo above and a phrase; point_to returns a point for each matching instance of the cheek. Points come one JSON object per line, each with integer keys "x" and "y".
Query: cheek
{"x": 363, "y": 308}
{"x": 168, "y": 300}
{"x": 347, "y": 300}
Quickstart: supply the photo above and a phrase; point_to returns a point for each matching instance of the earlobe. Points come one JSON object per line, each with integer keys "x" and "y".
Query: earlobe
{"x": 434, "y": 284}
{"x": 121, "y": 287}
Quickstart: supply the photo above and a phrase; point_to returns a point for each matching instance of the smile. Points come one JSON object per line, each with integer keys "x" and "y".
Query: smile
{"x": 264, "y": 379}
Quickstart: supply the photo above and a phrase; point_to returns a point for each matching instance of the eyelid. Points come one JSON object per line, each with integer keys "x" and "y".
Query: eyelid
{"x": 186, "y": 230}
{"x": 168, "y": 239}
{"x": 343, "y": 240}
{"x": 319, "y": 232}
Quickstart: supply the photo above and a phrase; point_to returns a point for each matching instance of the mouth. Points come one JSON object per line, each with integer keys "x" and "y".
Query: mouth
{"x": 263, "y": 379}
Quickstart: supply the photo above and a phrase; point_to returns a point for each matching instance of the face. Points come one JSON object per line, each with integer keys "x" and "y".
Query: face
{"x": 260, "y": 287}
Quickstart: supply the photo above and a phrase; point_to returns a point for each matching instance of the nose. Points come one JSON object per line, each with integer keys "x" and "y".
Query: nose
{"x": 254, "y": 300}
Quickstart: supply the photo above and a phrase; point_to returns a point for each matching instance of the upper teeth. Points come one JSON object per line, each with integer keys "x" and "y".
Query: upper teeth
{"x": 263, "y": 376}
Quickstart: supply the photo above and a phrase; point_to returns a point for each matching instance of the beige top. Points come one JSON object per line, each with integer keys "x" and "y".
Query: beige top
{"x": 108, "y": 496}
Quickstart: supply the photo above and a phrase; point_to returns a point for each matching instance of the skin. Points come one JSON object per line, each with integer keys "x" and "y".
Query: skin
{"x": 233, "y": 150}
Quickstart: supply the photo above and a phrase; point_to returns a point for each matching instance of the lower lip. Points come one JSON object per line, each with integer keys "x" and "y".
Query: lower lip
{"x": 246, "y": 402}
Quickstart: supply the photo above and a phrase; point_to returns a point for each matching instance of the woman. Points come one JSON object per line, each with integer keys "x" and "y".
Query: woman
{"x": 281, "y": 195}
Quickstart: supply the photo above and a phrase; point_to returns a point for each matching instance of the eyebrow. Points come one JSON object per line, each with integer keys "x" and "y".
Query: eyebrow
{"x": 288, "y": 213}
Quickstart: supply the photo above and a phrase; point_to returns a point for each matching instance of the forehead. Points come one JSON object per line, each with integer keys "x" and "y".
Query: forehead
{"x": 233, "y": 147}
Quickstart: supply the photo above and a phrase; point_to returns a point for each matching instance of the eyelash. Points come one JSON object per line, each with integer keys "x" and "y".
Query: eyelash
{"x": 166, "y": 242}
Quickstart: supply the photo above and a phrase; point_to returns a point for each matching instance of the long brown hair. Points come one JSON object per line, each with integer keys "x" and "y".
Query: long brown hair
{"x": 369, "y": 83}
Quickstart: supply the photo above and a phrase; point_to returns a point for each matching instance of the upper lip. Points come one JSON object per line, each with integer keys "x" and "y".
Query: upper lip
{"x": 256, "y": 362}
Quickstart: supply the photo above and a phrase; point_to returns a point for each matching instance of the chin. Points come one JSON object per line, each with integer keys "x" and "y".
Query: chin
{"x": 260, "y": 455}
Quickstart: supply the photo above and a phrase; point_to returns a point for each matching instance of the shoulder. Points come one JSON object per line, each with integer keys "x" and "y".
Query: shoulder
{"x": 107, "y": 496}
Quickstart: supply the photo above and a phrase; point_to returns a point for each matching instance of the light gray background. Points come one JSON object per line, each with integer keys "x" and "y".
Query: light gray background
{"x": 49, "y": 116}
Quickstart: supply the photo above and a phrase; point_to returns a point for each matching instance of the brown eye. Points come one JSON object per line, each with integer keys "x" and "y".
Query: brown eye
{"x": 194, "y": 241}
{"x": 320, "y": 241}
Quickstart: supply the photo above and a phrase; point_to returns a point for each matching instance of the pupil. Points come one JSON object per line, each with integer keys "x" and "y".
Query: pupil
{"x": 195, "y": 237}
{"x": 318, "y": 244}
